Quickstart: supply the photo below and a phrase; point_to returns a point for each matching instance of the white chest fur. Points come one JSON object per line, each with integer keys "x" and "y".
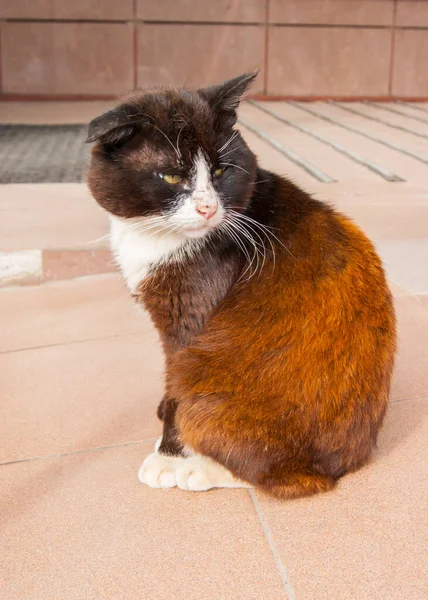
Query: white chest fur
{"x": 137, "y": 252}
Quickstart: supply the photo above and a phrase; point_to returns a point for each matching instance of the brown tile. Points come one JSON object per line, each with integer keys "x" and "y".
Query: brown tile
{"x": 121, "y": 540}
{"x": 66, "y": 264}
{"x": 51, "y": 215}
{"x": 316, "y": 61}
{"x": 332, "y": 12}
{"x": 410, "y": 377}
{"x": 166, "y": 54}
{"x": 412, "y": 12}
{"x": 67, "y": 58}
{"x": 410, "y": 69}
{"x": 80, "y": 395}
{"x": 251, "y": 11}
{"x": 63, "y": 9}
{"x": 68, "y": 311}
{"x": 366, "y": 539}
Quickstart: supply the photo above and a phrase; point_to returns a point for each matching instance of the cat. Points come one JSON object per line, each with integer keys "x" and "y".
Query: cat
{"x": 275, "y": 317}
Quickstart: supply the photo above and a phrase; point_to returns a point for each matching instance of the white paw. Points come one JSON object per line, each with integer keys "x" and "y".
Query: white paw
{"x": 159, "y": 470}
{"x": 199, "y": 473}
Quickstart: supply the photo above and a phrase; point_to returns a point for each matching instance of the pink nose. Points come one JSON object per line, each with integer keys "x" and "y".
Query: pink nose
{"x": 206, "y": 211}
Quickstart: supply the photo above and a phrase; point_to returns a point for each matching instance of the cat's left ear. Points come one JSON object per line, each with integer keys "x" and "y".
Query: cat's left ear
{"x": 224, "y": 98}
{"x": 111, "y": 127}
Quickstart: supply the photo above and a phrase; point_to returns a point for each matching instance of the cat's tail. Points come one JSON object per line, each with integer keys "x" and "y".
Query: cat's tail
{"x": 297, "y": 485}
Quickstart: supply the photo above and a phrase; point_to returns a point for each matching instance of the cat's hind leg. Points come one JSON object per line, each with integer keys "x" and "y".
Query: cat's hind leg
{"x": 234, "y": 452}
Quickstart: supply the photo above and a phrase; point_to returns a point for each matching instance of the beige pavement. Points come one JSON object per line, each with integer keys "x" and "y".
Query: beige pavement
{"x": 81, "y": 376}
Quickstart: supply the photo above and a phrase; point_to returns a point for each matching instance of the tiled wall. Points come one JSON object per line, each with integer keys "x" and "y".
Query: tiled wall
{"x": 303, "y": 48}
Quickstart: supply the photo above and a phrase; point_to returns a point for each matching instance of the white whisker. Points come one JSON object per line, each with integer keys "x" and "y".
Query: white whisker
{"x": 178, "y": 139}
{"x": 100, "y": 239}
{"x": 230, "y": 140}
{"x": 167, "y": 138}
{"x": 236, "y": 166}
{"x": 223, "y": 154}
{"x": 264, "y": 228}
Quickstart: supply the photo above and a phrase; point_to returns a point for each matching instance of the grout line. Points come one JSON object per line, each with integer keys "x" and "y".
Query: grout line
{"x": 392, "y": 56}
{"x": 1, "y": 64}
{"x": 369, "y": 136}
{"x": 72, "y": 342}
{"x": 379, "y": 120}
{"x": 289, "y": 590}
{"x": 412, "y": 105}
{"x": 74, "y": 452}
{"x": 290, "y": 154}
{"x": 266, "y": 63}
{"x": 408, "y": 398}
{"x": 394, "y": 111}
{"x": 372, "y": 166}
{"x": 80, "y": 97}
{"x": 218, "y": 23}
{"x": 135, "y": 43}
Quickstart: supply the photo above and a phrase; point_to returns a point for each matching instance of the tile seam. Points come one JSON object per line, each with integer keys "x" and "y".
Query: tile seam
{"x": 74, "y": 452}
{"x": 72, "y": 342}
{"x": 282, "y": 573}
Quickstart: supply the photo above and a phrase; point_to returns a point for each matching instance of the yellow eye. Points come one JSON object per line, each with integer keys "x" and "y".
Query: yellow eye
{"x": 219, "y": 172}
{"x": 173, "y": 179}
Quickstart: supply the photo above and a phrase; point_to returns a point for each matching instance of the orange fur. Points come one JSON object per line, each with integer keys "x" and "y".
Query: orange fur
{"x": 288, "y": 383}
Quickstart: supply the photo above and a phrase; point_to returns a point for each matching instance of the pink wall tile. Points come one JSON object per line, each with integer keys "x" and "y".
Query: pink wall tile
{"x": 231, "y": 11}
{"x": 66, "y": 9}
{"x": 412, "y": 12}
{"x": 410, "y": 69}
{"x": 332, "y": 12}
{"x": 324, "y": 61}
{"x": 67, "y": 58}
{"x": 196, "y": 55}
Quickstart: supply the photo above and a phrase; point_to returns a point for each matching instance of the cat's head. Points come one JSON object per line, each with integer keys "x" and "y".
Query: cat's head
{"x": 174, "y": 157}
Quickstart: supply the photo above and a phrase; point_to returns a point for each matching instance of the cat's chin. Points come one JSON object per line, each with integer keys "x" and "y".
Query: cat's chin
{"x": 198, "y": 232}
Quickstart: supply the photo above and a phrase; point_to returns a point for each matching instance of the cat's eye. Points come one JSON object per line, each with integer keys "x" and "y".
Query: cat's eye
{"x": 173, "y": 179}
{"x": 219, "y": 172}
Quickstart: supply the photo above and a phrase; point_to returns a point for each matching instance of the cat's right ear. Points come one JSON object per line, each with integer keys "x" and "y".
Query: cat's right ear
{"x": 111, "y": 128}
{"x": 224, "y": 98}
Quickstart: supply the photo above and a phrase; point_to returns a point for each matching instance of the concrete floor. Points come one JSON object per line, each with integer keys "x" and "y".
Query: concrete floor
{"x": 81, "y": 376}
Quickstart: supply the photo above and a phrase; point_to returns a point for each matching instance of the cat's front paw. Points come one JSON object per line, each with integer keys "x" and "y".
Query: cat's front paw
{"x": 159, "y": 470}
{"x": 199, "y": 473}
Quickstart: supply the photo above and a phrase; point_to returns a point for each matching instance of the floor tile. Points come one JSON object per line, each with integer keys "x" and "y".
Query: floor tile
{"x": 81, "y": 395}
{"x": 84, "y": 527}
{"x": 50, "y": 215}
{"x": 410, "y": 377}
{"x": 406, "y": 261}
{"x": 366, "y": 539}
{"x": 68, "y": 311}
{"x": 325, "y": 158}
{"x": 67, "y": 264}
{"x": 423, "y": 298}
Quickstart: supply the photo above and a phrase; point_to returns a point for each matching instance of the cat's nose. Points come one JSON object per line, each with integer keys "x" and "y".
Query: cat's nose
{"x": 206, "y": 210}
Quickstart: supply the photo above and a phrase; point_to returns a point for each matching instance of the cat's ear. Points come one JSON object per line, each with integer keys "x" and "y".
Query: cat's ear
{"x": 112, "y": 127}
{"x": 224, "y": 98}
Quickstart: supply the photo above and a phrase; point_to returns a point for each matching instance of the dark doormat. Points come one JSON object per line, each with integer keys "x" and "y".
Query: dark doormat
{"x": 43, "y": 153}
